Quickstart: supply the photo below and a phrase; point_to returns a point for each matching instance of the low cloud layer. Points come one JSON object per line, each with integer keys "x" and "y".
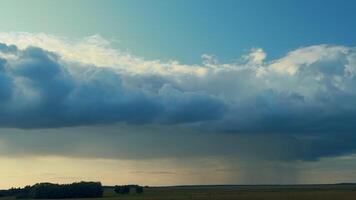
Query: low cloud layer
{"x": 147, "y": 142}
{"x": 307, "y": 95}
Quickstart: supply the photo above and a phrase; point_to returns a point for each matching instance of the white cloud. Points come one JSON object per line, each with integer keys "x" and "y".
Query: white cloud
{"x": 256, "y": 56}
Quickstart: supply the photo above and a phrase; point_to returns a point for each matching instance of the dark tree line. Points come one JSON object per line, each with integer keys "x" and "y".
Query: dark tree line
{"x": 56, "y": 191}
{"x": 126, "y": 189}
{"x": 11, "y": 192}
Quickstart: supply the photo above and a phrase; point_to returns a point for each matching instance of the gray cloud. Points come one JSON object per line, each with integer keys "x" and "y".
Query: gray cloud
{"x": 147, "y": 142}
{"x": 38, "y": 91}
{"x": 303, "y": 102}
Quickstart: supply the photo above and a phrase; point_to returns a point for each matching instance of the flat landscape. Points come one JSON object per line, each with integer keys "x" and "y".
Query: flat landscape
{"x": 177, "y": 100}
{"x": 245, "y": 192}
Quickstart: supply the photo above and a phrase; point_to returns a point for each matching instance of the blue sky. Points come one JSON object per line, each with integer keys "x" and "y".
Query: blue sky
{"x": 184, "y": 30}
{"x": 200, "y": 92}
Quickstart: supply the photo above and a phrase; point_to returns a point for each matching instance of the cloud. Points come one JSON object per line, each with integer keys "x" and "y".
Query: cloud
{"x": 147, "y": 142}
{"x": 40, "y": 89}
{"x": 308, "y": 94}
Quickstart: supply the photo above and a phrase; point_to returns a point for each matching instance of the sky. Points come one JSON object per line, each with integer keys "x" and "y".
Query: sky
{"x": 177, "y": 92}
{"x": 162, "y": 30}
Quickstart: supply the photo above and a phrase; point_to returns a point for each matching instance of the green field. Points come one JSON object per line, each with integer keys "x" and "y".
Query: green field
{"x": 302, "y": 192}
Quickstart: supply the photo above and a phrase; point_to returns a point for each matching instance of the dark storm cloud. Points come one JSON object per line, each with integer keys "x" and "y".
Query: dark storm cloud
{"x": 305, "y": 100}
{"x": 146, "y": 142}
{"x": 157, "y": 142}
{"x": 38, "y": 90}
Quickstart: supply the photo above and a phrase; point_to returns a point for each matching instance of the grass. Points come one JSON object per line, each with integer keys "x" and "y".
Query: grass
{"x": 311, "y": 192}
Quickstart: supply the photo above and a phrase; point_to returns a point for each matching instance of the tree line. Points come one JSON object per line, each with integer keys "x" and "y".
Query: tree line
{"x": 56, "y": 191}
{"x": 126, "y": 189}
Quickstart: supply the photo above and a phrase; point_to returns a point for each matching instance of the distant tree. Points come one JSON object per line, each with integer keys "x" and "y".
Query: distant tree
{"x": 139, "y": 189}
{"x": 124, "y": 189}
{"x": 117, "y": 189}
{"x": 56, "y": 191}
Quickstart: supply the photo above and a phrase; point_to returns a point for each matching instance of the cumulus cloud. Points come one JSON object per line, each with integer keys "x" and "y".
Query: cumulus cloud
{"x": 308, "y": 94}
{"x": 40, "y": 89}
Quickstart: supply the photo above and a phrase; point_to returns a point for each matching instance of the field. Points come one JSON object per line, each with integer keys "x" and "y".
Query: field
{"x": 302, "y": 192}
